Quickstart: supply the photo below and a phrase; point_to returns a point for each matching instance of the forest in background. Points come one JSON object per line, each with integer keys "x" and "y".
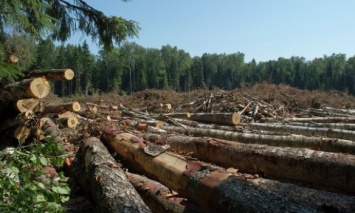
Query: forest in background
{"x": 131, "y": 67}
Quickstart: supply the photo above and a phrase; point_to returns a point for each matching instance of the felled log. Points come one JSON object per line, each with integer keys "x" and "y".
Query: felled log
{"x": 350, "y": 119}
{"x": 217, "y": 118}
{"x": 347, "y": 126}
{"x": 60, "y": 107}
{"x": 327, "y": 132}
{"x": 22, "y": 132}
{"x": 108, "y": 184}
{"x": 316, "y": 143}
{"x": 68, "y": 122}
{"x": 32, "y": 104}
{"x": 54, "y": 74}
{"x": 216, "y": 190}
{"x": 333, "y": 171}
{"x": 26, "y": 88}
{"x": 178, "y": 115}
{"x": 158, "y": 197}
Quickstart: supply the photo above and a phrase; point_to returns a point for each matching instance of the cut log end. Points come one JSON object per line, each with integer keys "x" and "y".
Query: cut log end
{"x": 236, "y": 118}
{"x": 38, "y": 88}
{"x": 22, "y": 132}
{"x": 76, "y": 106}
{"x": 68, "y": 74}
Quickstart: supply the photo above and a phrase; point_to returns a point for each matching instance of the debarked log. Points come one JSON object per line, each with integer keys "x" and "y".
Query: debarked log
{"x": 331, "y": 171}
{"x": 60, "y": 107}
{"x": 316, "y": 143}
{"x": 54, "y": 74}
{"x": 217, "y": 118}
{"x": 216, "y": 190}
{"x": 27, "y": 88}
{"x": 109, "y": 186}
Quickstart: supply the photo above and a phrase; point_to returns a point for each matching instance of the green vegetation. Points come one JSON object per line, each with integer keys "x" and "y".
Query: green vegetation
{"x": 25, "y": 184}
{"x": 132, "y": 67}
{"x": 24, "y": 22}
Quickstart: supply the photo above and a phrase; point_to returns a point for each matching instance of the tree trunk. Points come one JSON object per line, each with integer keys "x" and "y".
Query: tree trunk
{"x": 27, "y": 88}
{"x": 68, "y": 122}
{"x": 217, "y": 118}
{"x": 32, "y": 104}
{"x": 316, "y": 143}
{"x": 327, "y": 132}
{"x": 158, "y": 197}
{"x": 215, "y": 190}
{"x": 54, "y": 74}
{"x": 60, "y": 107}
{"x": 350, "y": 119}
{"x": 321, "y": 169}
{"x": 109, "y": 186}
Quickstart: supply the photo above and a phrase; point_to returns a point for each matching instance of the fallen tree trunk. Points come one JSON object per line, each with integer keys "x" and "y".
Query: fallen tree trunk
{"x": 217, "y": 118}
{"x": 350, "y": 119}
{"x": 345, "y": 126}
{"x": 68, "y": 122}
{"x": 213, "y": 189}
{"x": 32, "y": 104}
{"x": 27, "y": 88}
{"x": 327, "y": 132}
{"x": 109, "y": 186}
{"x": 158, "y": 197}
{"x": 54, "y": 74}
{"x": 316, "y": 143}
{"x": 60, "y": 107}
{"x": 321, "y": 169}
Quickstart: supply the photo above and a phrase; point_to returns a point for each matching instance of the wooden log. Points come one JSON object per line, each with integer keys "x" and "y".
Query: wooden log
{"x": 27, "y": 88}
{"x": 217, "y": 118}
{"x": 347, "y": 126}
{"x": 332, "y": 171}
{"x": 32, "y": 104}
{"x": 216, "y": 190}
{"x": 316, "y": 143}
{"x": 54, "y": 74}
{"x": 178, "y": 115}
{"x": 22, "y": 132}
{"x": 108, "y": 184}
{"x": 68, "y": 122}
{"x": 350, "y": 119}
{"x": 327, "y": 132}
{"x": 60, "y": 107}
{"x": 158, "y": 197}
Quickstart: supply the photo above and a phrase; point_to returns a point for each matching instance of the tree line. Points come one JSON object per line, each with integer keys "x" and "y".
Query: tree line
{"x": 131, "y": 68}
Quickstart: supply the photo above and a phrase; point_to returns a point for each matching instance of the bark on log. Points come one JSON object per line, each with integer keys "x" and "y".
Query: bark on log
{"x": 316, "y": 143}
{"x": 217, "y": 118}
{"x": 32, "y": 104}
{"x": 347, "y": 126}
{"x": 332, "y": 171}
{"x": 350, "y": 119}
{"x": 60, "y": 107}
{"x": 327, "y": 132}
{"x": 109, "y": 186}
{"x": 216, "y": 190}
{"x": 54, "y": 74}
{"x": 158, "y": 197}
{"x": 27, "y": 88}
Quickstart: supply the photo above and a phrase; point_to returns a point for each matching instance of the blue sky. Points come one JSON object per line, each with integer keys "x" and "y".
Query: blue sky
{"x": 261, "y": 29}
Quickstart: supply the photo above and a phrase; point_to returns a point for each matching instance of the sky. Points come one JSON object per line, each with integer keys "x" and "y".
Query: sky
{"x": 260, "y": 29}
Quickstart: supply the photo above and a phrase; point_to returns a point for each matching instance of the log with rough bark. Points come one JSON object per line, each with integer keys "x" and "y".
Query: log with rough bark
{"x": 318, "y": 131}
{"x": 217, "y": 118}
{"x": 158, "y": 197}
{"x": 316, "y": 143}
{"x": 345, "y": 126}
{"x": 216, "y": 190}
{"x": 60, "y": 107}
{"x": 54, "y": 74}
{"x": 109, "y": 186}
{"x": 321, "y": 169}
{"x": 27, "y": 88}
{"x": 350, "y": 119}
{"x": 32, "y": 104}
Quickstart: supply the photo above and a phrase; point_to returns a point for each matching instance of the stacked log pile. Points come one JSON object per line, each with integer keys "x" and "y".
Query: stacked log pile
{"x": 220, "y": 153}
